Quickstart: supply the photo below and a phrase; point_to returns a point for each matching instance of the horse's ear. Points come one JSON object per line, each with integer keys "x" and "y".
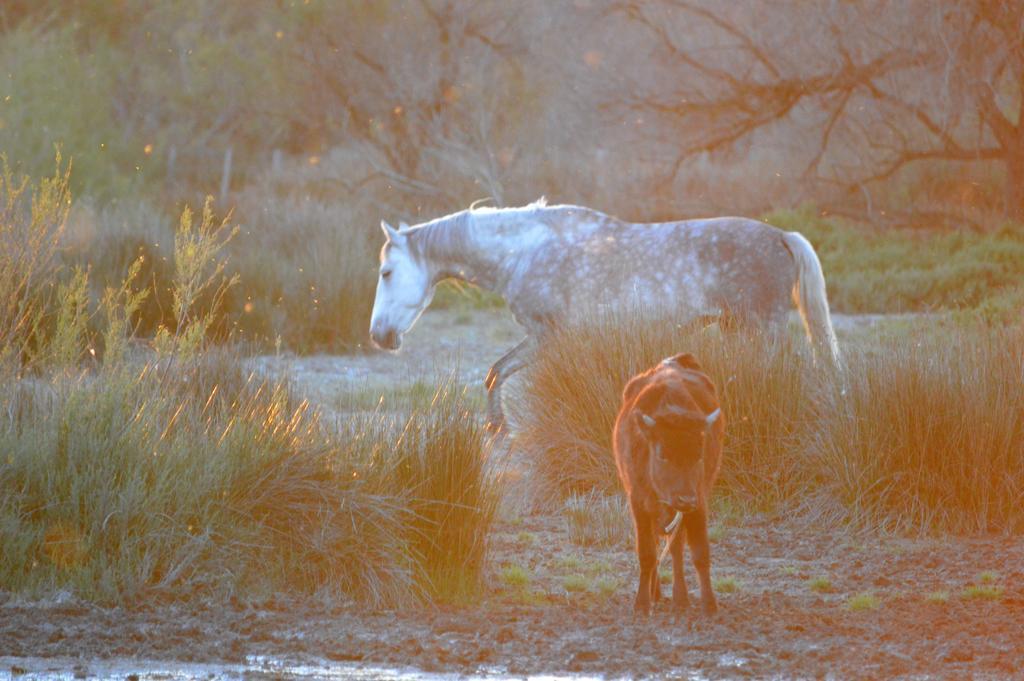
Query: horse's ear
{"x": 390, "y": 232}
{"x": 403, "y": 227}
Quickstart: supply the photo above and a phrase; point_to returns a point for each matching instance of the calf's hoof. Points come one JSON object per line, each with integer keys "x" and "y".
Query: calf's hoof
{"x": 709, "y": 606}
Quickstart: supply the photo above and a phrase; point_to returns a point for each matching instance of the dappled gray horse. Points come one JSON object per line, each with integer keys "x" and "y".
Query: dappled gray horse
{"x": 555, "y": 265}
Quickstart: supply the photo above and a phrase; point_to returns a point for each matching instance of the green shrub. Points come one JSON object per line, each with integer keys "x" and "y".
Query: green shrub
{"x": 903, "y": 270}
{"x": 53, "y": 93}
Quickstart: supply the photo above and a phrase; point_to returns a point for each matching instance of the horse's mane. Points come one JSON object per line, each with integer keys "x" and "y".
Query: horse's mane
{"x": 449, "y": 233}
{"x": 538, "y": 210}
{"x": 485, "y": 211}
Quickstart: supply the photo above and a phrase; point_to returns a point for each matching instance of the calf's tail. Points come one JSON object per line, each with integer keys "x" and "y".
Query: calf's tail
{"x": 810, "y": 297}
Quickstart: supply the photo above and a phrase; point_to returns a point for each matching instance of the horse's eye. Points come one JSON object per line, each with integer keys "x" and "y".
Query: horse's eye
{"x": 385, "y": 274}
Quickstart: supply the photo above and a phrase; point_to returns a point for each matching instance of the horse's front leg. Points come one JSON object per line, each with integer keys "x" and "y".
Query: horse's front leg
{"x": 511, "y": 362}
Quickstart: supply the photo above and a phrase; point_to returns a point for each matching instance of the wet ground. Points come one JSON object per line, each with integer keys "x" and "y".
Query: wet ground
{"x": 795, "y": 603}
{"x": 796, "y": 600}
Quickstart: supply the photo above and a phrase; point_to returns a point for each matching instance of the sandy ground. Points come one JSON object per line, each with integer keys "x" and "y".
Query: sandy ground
{"x": 795, "y": 602}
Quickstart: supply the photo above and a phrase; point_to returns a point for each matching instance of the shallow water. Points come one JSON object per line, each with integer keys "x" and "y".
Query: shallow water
{"x": 70, "y": 669}
{"x": 260, "y": 667}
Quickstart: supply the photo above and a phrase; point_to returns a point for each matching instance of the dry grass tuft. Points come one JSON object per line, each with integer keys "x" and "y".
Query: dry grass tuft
{"x": 927, "y": 433}
{"x": 573, "y": 392}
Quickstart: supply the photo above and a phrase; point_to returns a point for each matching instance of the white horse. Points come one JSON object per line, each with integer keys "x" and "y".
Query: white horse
{"x": 554, "y": 263}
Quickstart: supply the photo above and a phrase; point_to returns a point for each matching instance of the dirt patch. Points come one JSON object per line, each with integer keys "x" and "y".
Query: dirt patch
{"x": 778, "y": 620}
{"x": 795, "y": 600}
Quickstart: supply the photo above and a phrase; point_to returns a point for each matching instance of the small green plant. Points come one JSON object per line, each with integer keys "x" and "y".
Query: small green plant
{"x": 607, "y": 586}
{"x": 820, "y": 584}
{"x": 533, "y": 597}
{"x": 120, "y": 305}
{"x": 200, "y": 281}
{"x": 526, "y": 538}
{"x": 515, "y": 576}
{"x": 665, "y": 575}
{"x": 987, "y": 577}
{"x": 576, "y": 583}
{"x": 571, "y": 562}
{"x": 716, "y": 532}
{"x": 862, "y": 601}
{"x": 790, "y": 570}
{"x": 726, "y": 585}
{"x": 70, "y": 333}
{"x": 941, "y": 596}
{"x": 990, "y": 592}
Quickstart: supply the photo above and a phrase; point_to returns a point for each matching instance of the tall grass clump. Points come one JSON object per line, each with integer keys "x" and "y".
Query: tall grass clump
{"x": 929, "y": 433}
{"x": 573, "y": 392}
{"x": 32, "y": 222}
{"x": 125, "y": 487}
{"x": 172, "y": 472}
{"x": 436, "y": 457}
{"x": 208, "y": 482}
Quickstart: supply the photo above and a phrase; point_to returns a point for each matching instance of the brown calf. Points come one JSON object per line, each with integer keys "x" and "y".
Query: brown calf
{"x": 668, "y": 448}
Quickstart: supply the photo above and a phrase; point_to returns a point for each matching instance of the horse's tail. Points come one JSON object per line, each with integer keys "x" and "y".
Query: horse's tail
{"x": 810, "y": 297}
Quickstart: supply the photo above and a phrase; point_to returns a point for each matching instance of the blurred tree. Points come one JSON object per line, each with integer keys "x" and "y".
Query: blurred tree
{"x": 422, "y": 88}
{"x": 874, "y": 86}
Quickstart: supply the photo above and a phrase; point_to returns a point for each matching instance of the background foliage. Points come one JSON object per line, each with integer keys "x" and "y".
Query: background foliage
{"x": 311, "y": 120}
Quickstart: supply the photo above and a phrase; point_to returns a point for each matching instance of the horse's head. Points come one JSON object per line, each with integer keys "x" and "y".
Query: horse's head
{"x": 404, "y": 289}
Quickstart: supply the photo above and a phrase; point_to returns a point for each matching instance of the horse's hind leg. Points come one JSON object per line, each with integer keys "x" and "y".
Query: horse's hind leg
{"x": 511, "y": 362}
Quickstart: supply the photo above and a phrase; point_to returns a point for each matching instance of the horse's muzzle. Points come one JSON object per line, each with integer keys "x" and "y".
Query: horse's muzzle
{"x": 387, "y": 340}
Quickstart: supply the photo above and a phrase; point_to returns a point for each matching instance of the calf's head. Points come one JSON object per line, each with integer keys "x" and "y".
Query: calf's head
{"x": 676, "y": 440}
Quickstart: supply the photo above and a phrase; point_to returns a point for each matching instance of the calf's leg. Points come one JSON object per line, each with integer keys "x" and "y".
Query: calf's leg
{"x": 680, "y": 598}
{"x": 655, "y": 577}
{"x": 646, "y": 553}
{"x": 697, "y": 534}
